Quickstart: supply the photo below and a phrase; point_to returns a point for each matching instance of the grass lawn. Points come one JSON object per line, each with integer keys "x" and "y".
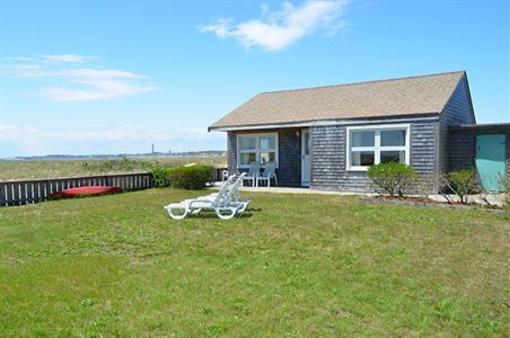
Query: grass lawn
{"x": 295, "y": 265}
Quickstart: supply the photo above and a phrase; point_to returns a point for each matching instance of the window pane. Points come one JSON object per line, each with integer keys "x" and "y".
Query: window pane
{"x": 393, "y": 156}
{"x": 247, "y": 142}
{"x": 362, "y": 158}
{"x": 247, "y": 158}
{"x": 362, "y": 138}
{"x": 393, "y": 138}
{"x": 306, "y": 135}
{"x": 267, "y": 143}
{"x": 267, "y": 157}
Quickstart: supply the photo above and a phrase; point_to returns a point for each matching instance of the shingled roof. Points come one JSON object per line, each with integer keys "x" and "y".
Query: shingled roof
{"x": 410, "y": 96}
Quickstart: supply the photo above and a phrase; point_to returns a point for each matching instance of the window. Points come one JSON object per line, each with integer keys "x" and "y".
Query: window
{"x": 258, "y": 148}
{"x": 393, "y": 138}
{"x": 363, "y": 138}
{"x": 376, "y": 144}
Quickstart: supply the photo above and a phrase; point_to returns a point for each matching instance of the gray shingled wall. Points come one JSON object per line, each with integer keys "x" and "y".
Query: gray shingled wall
{"x": 457, "y": 111}
{"x": 328, "y": 157}
{"x": 329, "y": 153}
{"x": 424, "y": 147}
{"x": 289, "y": 157}
{"x": 461, "y": 149}
{"x": 232, "y": 153}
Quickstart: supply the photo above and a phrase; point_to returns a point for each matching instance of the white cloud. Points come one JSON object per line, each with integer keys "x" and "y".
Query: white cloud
{"x": 7, "y": 130}
{"x": 69, "y": 83}
{"x": 277, "y": 30}
{"x": 221, "y": 28}
{"x": 68, "y": 58}
{"x": 23, "y": 70}
{"x": 29, "y": 140}
{"x": 97, "y": 84}
{"x": 198, "y": 134}
{"x": 100, "y": 91}
{"x": 10, "y": 132}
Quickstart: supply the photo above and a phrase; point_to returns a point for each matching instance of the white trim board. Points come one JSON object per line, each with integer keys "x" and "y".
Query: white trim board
{"x": 327, "y": 123}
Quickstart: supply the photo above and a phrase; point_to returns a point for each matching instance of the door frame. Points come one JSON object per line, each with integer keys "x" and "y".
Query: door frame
{"x": 303, "y": 168}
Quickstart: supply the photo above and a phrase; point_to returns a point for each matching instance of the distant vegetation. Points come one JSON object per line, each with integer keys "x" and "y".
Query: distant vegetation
{"x": 205, "y": 153}
{"x": 26, "y": 169}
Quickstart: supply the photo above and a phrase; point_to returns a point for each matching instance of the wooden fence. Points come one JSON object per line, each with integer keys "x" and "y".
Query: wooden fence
{"x": 21, "y": 192}
{"x": 33, "y": 191}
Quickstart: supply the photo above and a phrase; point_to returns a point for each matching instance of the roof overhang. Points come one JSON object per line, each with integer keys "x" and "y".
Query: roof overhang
{"x": 483, "y": 127}
{"x": 312, "y": 123}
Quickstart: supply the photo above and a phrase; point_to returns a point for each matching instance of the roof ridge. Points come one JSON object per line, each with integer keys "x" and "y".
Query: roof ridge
{"x": 362, "y": 82}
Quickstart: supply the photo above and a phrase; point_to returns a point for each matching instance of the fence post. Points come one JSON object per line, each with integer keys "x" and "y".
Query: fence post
{"x": 151, "y": 181}
{"x": 46, "y": 189}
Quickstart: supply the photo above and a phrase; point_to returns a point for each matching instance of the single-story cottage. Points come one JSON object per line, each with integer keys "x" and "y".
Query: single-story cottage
{"x": 327, "y": 137}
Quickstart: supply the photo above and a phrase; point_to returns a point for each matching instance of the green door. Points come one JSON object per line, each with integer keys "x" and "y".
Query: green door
{"x": 490, "y": 160}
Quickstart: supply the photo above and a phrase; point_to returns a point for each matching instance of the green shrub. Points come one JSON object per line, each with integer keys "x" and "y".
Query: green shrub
{"x": 393, "y": 178}
{"x": 506, "y": 198}
{"x": 462, "y": 183}
{"x": 192, "y": 177}
{"x": 160, "y": 175}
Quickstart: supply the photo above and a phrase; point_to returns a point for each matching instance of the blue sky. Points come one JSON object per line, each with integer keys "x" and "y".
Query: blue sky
{"x": 80, "y": 77}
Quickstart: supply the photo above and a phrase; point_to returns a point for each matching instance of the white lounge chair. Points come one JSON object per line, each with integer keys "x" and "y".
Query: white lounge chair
{"x": 184, "y": 206}
{"x": 253, "y": 173}
{"x": 269, "y": 173}
{"x": 232, "y": 185}
{"x": 235, "y": 195}
{"x": 225, "y": 203}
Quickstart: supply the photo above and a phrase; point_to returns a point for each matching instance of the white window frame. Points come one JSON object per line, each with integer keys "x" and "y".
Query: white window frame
{"x": 377, "y": 148}
{"x": 257, "y": 148}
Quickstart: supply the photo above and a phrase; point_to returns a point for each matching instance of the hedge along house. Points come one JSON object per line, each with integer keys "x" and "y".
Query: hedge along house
{"x": 327, "y": 137}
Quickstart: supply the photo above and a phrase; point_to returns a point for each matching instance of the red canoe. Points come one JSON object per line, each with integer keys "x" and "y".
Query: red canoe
{"x": 87, "y": 191}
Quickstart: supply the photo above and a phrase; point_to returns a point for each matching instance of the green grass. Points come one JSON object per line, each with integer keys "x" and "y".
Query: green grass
{"x": 294, "y": 266}
{"x": 13, "y": 170}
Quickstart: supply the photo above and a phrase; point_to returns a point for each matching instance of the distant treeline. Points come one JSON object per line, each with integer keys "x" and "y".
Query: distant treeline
{"x": 120, "y": 156}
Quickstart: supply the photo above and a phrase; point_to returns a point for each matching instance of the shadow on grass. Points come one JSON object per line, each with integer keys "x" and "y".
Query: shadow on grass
{"x": 204, "y": 215}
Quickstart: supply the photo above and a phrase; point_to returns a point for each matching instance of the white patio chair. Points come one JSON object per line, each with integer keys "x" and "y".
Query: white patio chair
{"x": 224, "y": 175}
{"x": 269, "y": 173}
{"x": 253, "y": 173}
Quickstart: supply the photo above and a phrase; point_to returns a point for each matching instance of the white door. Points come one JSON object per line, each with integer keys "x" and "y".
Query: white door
{"x": 305, "y": 157}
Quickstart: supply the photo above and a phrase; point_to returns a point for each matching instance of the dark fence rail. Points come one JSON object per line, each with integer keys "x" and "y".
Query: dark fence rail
{"x": 33, "y": 191}
{"x": 21, "y": 192}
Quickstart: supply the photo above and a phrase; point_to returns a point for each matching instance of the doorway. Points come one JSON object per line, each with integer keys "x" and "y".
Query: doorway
{"x": 490, "y": 160}
{"x": 305, "y": 157}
